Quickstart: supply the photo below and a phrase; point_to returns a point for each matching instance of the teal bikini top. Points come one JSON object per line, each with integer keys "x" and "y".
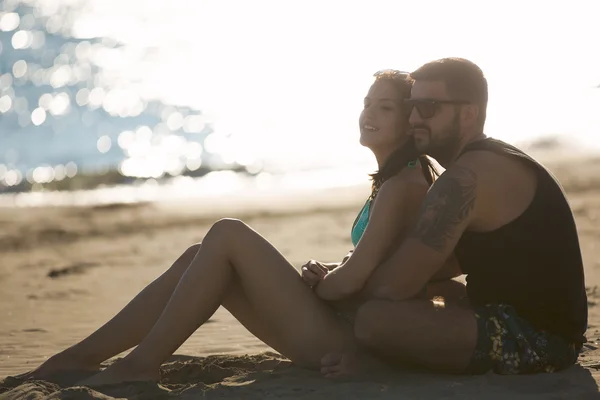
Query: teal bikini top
{"x": 360, "y": 223}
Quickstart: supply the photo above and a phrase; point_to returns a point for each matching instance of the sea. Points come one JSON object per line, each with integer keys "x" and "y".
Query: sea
{"x": 121, "y": 101}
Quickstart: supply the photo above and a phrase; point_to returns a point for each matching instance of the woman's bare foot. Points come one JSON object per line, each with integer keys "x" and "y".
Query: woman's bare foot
{"x": 120, "y": 372}
{"x": 350, "y": 363}
{"x": 58, "y": 363}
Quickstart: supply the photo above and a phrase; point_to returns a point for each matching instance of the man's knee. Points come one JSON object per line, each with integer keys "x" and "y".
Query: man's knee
{"x": 369, "y": 324}
{"x": 380, "y": 321}
{"x": 451, "y": 290}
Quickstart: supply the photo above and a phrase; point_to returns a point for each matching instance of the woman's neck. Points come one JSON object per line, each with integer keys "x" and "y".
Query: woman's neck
{"x": 382, "y": 156}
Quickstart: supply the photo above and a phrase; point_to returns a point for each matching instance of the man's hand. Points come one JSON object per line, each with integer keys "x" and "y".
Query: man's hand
{"x": 313, "y": 272}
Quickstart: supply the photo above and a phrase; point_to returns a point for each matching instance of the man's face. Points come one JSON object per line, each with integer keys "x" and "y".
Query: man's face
{"x": 436, "y": 127}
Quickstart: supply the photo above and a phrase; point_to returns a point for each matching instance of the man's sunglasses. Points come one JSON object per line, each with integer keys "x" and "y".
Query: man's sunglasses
{"x": 428, "y": 108}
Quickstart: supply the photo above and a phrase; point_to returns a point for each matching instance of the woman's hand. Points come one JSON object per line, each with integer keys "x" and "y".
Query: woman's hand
{"x": 313, "y": 272}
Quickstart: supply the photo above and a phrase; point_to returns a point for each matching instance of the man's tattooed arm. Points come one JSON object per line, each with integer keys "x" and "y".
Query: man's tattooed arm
{"x": 446, "y": 207}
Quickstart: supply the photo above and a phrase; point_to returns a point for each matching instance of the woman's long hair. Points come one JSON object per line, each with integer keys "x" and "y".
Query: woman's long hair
{"x": 400, "y": 158}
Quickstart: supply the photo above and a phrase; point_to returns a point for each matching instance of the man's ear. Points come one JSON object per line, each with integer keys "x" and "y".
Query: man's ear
{"x": 470, "y": 113}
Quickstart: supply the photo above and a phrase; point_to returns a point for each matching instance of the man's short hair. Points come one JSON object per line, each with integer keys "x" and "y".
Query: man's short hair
{"x": 464, "y": 81}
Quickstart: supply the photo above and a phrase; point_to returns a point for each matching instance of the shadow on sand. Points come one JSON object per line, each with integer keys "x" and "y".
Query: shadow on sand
{"x": 270, "y": 375}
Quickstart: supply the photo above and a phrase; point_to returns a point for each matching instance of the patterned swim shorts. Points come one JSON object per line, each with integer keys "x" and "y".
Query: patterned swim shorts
{"x": 507, "y": 344}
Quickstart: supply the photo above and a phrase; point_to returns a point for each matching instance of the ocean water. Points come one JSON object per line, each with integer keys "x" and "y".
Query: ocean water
{"x": 270, "y": 90}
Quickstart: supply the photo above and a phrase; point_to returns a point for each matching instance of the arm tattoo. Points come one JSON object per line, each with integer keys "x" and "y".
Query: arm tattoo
{"x": 446, "y": 206}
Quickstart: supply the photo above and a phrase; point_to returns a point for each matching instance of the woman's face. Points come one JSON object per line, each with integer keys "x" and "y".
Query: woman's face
{"x": 382, "y": 123}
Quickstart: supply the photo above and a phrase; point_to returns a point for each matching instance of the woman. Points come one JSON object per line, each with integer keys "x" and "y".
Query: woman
{"x": 302, "y": 317}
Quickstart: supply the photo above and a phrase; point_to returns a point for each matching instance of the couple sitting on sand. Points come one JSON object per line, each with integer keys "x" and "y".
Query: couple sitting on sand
{"x": 495, "y": 214}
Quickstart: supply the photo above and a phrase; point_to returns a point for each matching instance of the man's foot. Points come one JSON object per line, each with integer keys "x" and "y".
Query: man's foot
{"x": 59, "y": 363}
{"x": 120, "y": 372}
{"x": 351, "y": 363}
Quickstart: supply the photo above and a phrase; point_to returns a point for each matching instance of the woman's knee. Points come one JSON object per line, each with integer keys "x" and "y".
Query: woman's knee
{"x": 180, "y": 265}
{"x": 189, "y": 254}
{"x": 227, "y": 226}
{"x": 193, "y": 249}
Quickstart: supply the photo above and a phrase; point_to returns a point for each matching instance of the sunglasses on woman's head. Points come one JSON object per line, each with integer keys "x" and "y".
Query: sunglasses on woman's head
{"x": 427, "y": 108}
{"x": 391, "y": 73}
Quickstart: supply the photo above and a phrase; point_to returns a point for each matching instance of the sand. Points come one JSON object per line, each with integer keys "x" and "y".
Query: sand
{"x": 65, "y": 271}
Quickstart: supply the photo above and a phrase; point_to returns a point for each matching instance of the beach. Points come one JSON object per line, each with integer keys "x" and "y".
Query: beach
{"x": 128, "y": 128}
{"x": 67, "y": 270}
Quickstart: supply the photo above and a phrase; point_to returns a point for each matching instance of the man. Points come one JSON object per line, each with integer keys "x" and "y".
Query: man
{"x": 507, "y": 221}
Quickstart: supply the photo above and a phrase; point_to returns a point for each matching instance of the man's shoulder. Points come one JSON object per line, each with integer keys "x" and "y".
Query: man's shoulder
{"x": 492, "y": 174}
{"x": 491, "y": 165}
{"x": 490, "y": 152}
{"x": 479, "y": 164}
{"x": 503, "y": 180}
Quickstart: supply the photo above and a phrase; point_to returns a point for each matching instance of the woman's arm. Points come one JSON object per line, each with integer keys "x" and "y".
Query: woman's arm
{"x": 389, "y": 220}
{"x": 347, "y": 257}
{"x": 331, "y": 266}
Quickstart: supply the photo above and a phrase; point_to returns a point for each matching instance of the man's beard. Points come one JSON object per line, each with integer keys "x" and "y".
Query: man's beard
{"x": 445, "y": 146}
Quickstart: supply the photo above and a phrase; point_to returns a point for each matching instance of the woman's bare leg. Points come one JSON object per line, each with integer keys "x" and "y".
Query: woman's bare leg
{"x": 127, "y": 329}
{"x": 124, "y": 330}
{"x": 305, "y": 327}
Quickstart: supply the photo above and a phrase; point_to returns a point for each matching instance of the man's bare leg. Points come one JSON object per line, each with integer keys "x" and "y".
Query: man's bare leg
{"x": 431, "y": 333}
{"x": 438, "y": 331}
{"x": 451, "y": 291}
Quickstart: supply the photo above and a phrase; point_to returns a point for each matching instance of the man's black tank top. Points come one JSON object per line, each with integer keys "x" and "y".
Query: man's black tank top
{"x": 534, "y": 262}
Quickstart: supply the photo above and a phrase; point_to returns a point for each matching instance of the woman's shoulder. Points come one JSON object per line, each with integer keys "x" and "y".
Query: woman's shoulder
{"x": 403, "y": 185}
{"x": 407, "y": 179}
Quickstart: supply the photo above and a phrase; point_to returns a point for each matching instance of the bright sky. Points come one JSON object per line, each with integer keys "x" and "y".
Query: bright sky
{"x": 291, "y": 75}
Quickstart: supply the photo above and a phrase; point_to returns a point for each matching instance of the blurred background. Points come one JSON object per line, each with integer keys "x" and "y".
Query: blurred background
{"x": 106, "y": 100}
